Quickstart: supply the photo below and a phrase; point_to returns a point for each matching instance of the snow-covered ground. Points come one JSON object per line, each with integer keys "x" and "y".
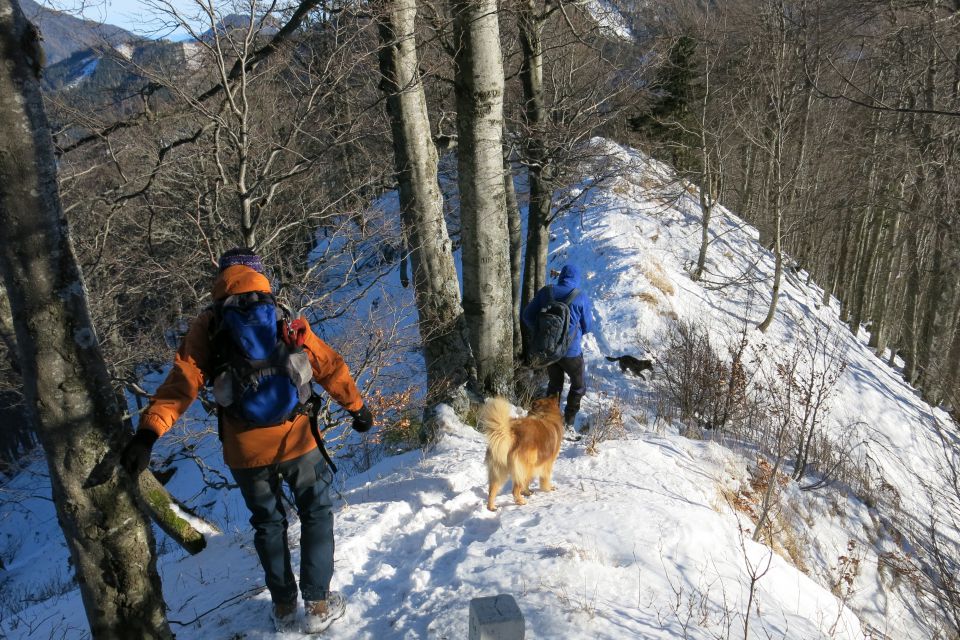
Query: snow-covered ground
{"x": 89, "y": 66}
{"x": 641, "y": 538}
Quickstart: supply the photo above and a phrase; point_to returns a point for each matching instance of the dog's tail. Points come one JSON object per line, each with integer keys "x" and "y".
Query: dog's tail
{"x": 494, "y": 420}
{"x": 612, "y": 359}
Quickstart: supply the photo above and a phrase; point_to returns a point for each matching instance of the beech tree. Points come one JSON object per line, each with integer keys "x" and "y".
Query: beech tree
{"x": 443, "y": 329}
{"x": 66, "y": 386}
{"x": 487, "y": 284}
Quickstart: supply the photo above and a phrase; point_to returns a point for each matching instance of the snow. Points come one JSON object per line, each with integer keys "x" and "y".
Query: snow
{"x": 125, "y": 50}
{"x": 641, "y": 538}
{"x": 609, "y": 18}
{"x": 192, "y": 54}
{"x": 89, "y": 66}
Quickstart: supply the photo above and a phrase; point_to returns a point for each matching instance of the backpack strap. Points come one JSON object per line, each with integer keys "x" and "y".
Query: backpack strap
{"x": 571, "y": 297}
{"x": 550, "y": 297}
{"x": 312, "y": 407}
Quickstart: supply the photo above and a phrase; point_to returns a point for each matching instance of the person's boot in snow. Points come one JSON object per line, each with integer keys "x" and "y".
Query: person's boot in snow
{"x": 284, "y": 616}
{"x": 568, "y": 432}
{"x": 320, "y": 614}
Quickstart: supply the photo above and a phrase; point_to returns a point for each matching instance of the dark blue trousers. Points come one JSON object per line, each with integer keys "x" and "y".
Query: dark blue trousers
{"x": 309, "y": 479}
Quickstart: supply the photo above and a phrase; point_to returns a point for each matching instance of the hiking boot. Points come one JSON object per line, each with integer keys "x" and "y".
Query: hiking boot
{"x": 320, "y": 614}
{"x": 284, "y": 616}
{"x": 570, "y": 435}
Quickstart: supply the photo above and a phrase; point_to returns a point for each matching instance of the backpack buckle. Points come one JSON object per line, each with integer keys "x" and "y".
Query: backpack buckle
{"x": 294, "y": 333}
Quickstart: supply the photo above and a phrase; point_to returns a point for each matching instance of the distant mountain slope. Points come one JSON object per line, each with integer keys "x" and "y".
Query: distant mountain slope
{"x": 106, "y": 75}
{"x": 64, "y": 35}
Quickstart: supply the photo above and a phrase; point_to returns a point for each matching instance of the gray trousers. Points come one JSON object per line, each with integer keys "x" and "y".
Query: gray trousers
{"x": 309, "y": 479}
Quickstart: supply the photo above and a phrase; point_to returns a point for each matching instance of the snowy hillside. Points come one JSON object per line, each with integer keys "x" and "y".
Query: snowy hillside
{"x": 646, "y": 536}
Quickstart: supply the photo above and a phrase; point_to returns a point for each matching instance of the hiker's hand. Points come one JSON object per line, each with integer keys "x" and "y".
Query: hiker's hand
{"x": 362, "y": 419}
{"x": 136, "y": 455}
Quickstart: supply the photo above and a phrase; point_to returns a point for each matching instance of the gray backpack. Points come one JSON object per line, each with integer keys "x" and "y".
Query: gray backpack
{"x": 552, "y": 336}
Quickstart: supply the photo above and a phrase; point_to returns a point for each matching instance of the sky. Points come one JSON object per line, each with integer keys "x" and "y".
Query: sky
{"x": 143, "y": 18}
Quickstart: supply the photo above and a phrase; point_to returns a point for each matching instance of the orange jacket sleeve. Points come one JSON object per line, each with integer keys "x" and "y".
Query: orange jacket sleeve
{"x": 184, "y": 381}
{"x": 331, "y": 372}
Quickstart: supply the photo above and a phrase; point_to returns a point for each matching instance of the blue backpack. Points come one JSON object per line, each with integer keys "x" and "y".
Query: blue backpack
{"x": 258, "y": 379}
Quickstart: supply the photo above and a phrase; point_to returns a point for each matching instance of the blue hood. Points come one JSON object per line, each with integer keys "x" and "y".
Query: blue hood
{"x": 569, "y": 276}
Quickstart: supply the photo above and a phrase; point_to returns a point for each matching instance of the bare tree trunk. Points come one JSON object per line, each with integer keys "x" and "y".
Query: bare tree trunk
{"x": 887, "y": 275}
{"x": 867, "y": 249}
{"x": 777, "y": 176}
{"x": 706, "y": 207}
{"x": 514, "y": 225}
{"x": 66, "y": 385}
{"x": 541, "y": 195}
{"x": 749, "y": 171}
{"x": 478, "y": 86}
{"x": 952, "y": 367}
{"x": 937, "y": 313}
{"x": 16, "y": 436}
{"x": 911, "y": 309}
{"x": 538, "y": 249}
{"x": 777, "y": 273}
{"x": 443, "y": 330}
{"x": 710, "y": 176}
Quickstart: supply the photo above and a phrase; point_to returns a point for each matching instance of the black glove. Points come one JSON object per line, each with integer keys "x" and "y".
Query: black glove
{"x": 135, "y": 457}
{"x": 362, "y": 419}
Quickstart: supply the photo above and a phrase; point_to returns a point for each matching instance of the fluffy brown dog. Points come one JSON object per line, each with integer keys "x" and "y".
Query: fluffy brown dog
{"x": 521, "y": 448}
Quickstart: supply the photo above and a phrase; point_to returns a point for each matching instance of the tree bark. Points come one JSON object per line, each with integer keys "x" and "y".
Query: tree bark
{"x": 541, "y": 195}
{"x": 911, "y": 311}
{"x": 443, "y": 330}
{"x": 514, "y": 226}
{"x": 66, "y": 385}
{"x": 887, "y": 274}
{"x": 478, "y": 87}
{"x": 867, "y": 250}
{"x": 777, "y": 178}
{"x": 938, "y": 313}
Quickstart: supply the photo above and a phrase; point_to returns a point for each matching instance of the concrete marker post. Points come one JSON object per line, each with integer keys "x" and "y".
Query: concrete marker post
{"x": 496, "y": 618}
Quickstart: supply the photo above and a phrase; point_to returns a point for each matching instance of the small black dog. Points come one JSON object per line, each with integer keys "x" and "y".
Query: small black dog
{"x": 636, "y": 366}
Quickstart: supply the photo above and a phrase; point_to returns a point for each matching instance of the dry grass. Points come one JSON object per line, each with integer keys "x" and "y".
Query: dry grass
{"x": 669, "y": 314}
{"x": 777, "y": 533}
{"x": 648, "y": 297}
{"x": 658, "y": 278}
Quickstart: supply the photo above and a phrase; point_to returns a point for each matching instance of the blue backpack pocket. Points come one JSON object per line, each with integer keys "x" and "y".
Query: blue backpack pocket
{"x": 270, "y": 401}
{"x": 253, "y": 329}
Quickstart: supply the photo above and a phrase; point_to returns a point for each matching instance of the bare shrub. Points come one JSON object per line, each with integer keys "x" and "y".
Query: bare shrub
{"x": 797, "y": 391}
{"x": 696, "y": 386}
{"x": 607, "y": 425}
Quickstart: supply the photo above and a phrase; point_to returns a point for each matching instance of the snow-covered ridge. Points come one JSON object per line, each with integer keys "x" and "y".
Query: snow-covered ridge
{"x": 641, "y": 539}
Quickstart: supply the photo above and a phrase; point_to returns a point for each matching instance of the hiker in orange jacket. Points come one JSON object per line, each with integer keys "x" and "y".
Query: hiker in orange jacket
{"x": 258, "y": 457}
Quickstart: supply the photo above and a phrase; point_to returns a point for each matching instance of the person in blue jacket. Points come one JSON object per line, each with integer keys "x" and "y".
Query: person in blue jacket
{"x": 581, "y": 322}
